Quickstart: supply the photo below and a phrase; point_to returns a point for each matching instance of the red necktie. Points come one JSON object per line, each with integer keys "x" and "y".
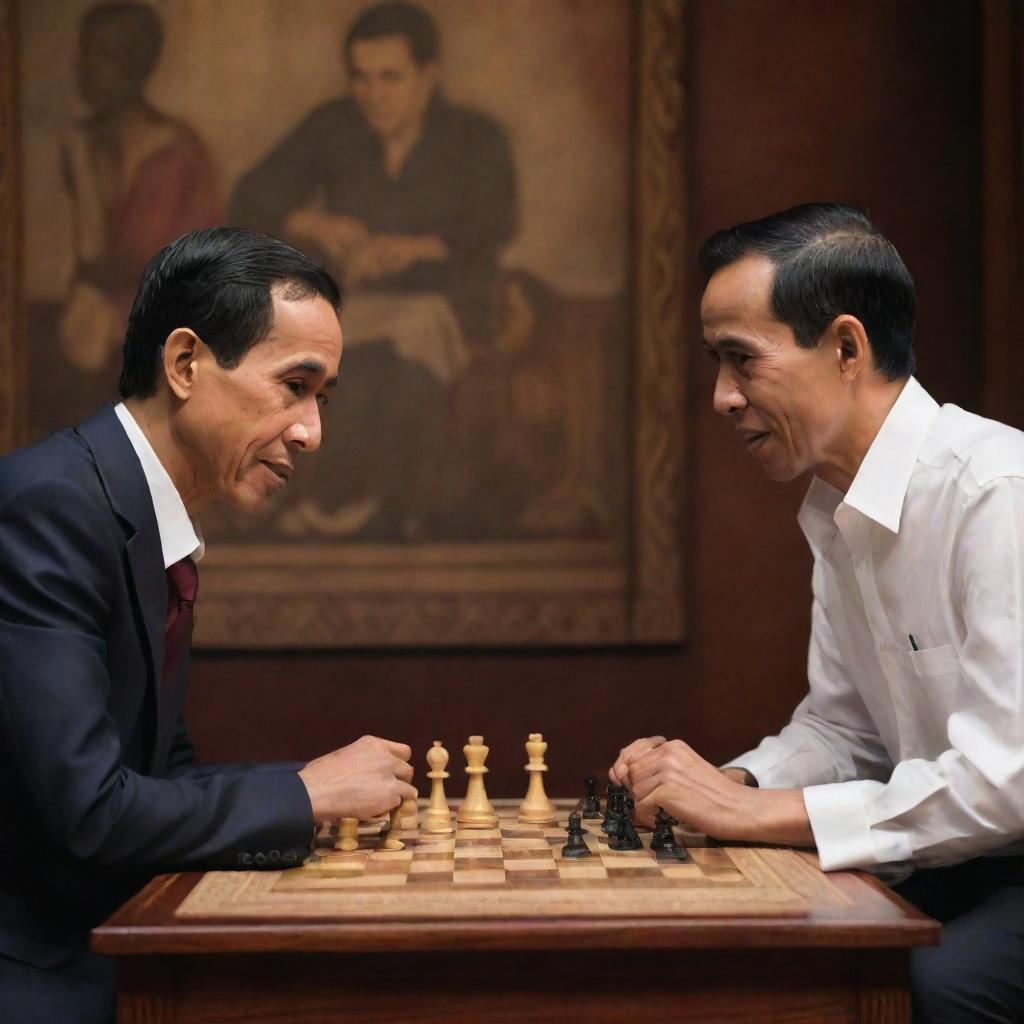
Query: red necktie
{"x": 182, "y": 585}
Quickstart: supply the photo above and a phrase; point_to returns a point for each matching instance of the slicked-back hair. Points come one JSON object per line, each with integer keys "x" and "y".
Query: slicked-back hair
{"x": 396, "y": 18}
{"x": 217, "y": 282}
{"x": 829, "y": 260}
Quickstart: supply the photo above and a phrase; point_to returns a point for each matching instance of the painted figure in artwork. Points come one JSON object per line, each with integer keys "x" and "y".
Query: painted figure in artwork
{"x": 410, "y": 198}
{"x": 138, "y": 178}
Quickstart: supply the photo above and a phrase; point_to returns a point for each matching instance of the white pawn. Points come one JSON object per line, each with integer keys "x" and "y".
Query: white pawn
{"x": 537, "y": 809}
{"x": 348, "y": 835}
{"x": 391, "y": 840}
{"x": 476, "y": 810}
{"x": 438, "y": 818}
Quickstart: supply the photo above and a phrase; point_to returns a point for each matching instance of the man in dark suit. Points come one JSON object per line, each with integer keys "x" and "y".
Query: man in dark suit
{"x": 232, "y": 344}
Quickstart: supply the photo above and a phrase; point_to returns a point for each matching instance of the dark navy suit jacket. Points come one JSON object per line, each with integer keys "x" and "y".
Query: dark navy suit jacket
{"x": 98, "y": 790}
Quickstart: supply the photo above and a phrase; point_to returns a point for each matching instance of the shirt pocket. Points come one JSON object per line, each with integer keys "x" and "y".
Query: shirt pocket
{"x": 934, "y": 661}
{"x": 925, "y": 697}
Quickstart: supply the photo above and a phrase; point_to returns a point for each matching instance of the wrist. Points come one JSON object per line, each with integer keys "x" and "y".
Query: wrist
{"x": 777, "y": 816}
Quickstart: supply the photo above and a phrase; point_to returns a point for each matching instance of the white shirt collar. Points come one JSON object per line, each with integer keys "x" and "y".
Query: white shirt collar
{"x": 179, "y": 535}
{"x": 882, "y": 480}
{"x": 880, "y": 486}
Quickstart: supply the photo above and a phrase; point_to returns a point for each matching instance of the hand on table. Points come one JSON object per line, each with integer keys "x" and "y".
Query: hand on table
{"x": 670, "y": 774}
{"x": 363, "y": 780}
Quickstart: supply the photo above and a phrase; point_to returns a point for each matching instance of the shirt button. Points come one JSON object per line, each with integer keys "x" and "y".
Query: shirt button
{"x": 274, "y": 856}
{"x": 291, "y": 857}
{"x": 261, "y": 859}
{"x": 862, "y": 566}
{"x": 245, "y": 859}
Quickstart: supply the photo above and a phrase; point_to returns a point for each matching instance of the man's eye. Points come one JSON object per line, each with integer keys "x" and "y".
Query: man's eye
{"x": 296, "y": 387}
{"x": 713, "y": 355}
{"x": 739, "y": 358}
{"x": 323, "y": 399}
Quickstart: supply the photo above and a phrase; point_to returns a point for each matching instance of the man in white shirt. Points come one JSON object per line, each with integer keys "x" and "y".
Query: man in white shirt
{"x": 908, "y": 751}
{"x": 232, "y": 346}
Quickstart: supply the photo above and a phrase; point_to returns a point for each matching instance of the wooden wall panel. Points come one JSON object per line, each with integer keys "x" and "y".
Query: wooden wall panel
{"x": 789, "y": 100}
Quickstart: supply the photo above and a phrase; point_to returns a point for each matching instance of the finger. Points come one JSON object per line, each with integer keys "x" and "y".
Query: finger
{"x": 642, "y": 790}
{"x": 402, "y": 770}
{"x": 408, "y": 792}
{"x": 620, "y": 771}
{"x": 402, "y": 750}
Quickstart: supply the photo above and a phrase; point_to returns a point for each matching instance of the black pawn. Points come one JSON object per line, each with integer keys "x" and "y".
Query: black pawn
{"x": 663, "y": 842}
{"x": 591, "y": 802}
{"x": 626, "y": 837}
{"x": 576, "y": 846}
{"x": 614, "y": 808}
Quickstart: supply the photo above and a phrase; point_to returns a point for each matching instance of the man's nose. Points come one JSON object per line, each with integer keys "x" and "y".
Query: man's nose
{"x": 728, "y": 397}
{"x": 305, "y": 432}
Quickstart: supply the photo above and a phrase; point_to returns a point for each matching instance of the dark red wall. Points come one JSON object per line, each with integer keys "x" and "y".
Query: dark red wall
{"x": 866, "y": 101}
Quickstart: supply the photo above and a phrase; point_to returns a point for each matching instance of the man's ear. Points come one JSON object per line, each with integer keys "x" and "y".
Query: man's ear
{"x": 179, "y": 362}
{"x": 853, "y": 350}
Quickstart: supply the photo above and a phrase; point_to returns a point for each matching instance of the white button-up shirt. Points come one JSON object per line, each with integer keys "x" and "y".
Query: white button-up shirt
{"x": 179, "y": 535}
{"x": 910, "y": 742}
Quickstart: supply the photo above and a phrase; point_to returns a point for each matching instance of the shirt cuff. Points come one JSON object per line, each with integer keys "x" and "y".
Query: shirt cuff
{"x": 840, "y": 825}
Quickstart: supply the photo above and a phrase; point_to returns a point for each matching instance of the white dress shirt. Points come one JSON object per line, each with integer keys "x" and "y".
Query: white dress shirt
{"x": 179, "y": 535}
{"x": 911, "y": 751}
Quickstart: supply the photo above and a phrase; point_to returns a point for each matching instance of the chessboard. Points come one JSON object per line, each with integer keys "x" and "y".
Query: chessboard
{"x": 512, "y": 871}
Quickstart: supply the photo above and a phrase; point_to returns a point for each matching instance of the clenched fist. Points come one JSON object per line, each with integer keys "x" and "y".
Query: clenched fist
{"x": 363, "y": 780}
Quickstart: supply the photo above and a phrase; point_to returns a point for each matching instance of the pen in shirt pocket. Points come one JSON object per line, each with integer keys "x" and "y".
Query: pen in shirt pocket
{"x": 914, "y": 646}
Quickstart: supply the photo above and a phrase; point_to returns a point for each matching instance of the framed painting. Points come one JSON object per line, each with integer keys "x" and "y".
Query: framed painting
{"x": 499, "y": 188}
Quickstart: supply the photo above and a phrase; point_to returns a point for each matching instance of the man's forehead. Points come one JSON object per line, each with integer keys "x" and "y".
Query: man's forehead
{"x": 739, "y": 290}
{"x": 380, "y": 50}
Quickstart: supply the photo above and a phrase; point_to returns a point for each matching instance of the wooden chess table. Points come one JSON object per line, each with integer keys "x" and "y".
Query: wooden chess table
{"x": 495, "y": 925}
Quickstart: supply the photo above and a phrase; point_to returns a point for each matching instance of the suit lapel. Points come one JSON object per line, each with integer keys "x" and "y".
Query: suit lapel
{"x": 128, "y": 492}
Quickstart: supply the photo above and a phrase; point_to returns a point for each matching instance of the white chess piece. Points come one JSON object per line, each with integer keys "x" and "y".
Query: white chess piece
{"x": 348, "y": 835}
{"x": 476, "y": 810}
{"x": 392, "y": 842}
{"x": 438, "y": 818}
{"x": 537, "y": 809}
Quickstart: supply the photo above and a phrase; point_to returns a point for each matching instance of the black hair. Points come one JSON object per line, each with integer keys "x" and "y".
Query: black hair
{"x": 397, "y": 18}
{"x": 142, "y": 32}
{"x": 216, "y": 282}
{"x": 830, "y": 260}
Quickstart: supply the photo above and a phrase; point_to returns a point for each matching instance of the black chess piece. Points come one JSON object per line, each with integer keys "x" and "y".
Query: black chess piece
{"x": 626, "y": 836}
{"x": 576, "y": 846}
{"x": 663, "y": 842}
{"x": 613, "y": 809}
{"x": 591, "y": 802}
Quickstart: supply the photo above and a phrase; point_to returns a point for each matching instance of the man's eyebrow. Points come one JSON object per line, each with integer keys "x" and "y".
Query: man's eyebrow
{"x": 730, "y": 343}
{"x": 304, "y": 366}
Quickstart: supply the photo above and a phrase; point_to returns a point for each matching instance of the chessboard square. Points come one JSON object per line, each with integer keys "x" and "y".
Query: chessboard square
{"x": 517, "y": 867}
{"x": 420, "y": 856}
{"x": 477, "y": 833}
{"x": 522, "y": 832}
{"x": 479, "y": 864}
{"x": 616, "y": 867}
{"x": 528, "y": 853}
{"x": 682, "y": 871}
{"x": 484, "y": 877}
{"x": 430, "y": 867}
{"x": 570, "y": 869}
{"x": 371, "y": 881}
{"x": 432, "y": 878}
{"x": 533, "y": 843}
{"x": 387, "y": 867}
{"x": 547, "y": 877}
{"x": 554, "y": 833}
{"x": 391, "y": 855}
{"x": 478, "y": 853}
{"x": 633, "y": 871}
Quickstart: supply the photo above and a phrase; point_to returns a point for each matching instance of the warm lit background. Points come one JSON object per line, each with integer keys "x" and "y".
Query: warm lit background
{"x": 911, "y": 109}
